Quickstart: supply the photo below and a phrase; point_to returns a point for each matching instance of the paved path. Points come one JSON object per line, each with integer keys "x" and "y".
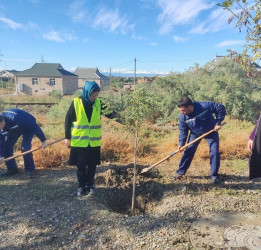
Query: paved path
{"x": 227, "y": 230}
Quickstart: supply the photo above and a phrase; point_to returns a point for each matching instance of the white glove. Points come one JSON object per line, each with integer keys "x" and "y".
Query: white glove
{"x": 45, "y": 144}
{"x": 2, "y": 159}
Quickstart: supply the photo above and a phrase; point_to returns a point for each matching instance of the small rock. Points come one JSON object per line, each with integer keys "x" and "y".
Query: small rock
{"x": 81, "y": 237}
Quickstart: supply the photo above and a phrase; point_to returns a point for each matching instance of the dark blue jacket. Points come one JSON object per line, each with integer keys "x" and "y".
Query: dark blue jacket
{"x": 201, "y": 120}
{"x": 19, "y": 122}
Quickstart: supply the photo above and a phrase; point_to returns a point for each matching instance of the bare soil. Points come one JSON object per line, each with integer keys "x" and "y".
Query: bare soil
{"x": 44, "y": 212}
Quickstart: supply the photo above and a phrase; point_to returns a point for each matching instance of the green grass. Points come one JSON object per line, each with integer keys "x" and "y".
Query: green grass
{"x": 238, "y": 164}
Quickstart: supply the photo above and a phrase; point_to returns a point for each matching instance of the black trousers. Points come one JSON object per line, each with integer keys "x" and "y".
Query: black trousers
{"x": 255, "y": 158}
{"x": 86, "y": 160}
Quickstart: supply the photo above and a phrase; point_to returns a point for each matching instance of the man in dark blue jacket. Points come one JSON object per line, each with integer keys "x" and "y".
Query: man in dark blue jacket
{"x": 13, "y": 124}
{"x": 198, "y": 118}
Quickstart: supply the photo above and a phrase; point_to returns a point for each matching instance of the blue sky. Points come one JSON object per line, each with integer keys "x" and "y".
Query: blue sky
{"x": 163, "y": 35}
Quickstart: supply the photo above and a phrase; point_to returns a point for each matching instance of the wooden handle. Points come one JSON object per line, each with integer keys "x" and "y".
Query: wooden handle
{"x": 157, "y": 163}
{"x": 182, "y": 148}
{"x": 200, "y": 137}
{"x": 53, "y": 142}
{"x": 32, "y": 150}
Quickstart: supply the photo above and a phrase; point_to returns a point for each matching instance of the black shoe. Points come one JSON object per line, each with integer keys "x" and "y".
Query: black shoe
{"x": 31, "y": 174}
{"x": 215, "y": 180}
{"x": 91, "y": 190}
{"x": 9, "y": 172}
{"x": 177, "y": 177}
{"x": 81, "y": 192}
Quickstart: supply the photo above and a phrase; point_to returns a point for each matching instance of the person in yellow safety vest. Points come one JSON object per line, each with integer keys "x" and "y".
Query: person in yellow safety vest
{"x": 83, "y": 135}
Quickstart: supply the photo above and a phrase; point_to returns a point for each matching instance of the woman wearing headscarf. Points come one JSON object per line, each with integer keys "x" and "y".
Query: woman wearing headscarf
{"x": 254, "y": 145}
{"x": 83, "y": 135}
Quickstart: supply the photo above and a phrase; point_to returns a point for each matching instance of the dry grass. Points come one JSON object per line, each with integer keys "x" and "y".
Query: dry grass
{"x": 155, "y": 143}
{"x": 116, "y": 147}
{"x": 25, "y": 98}
{"x": 54, "y": 156}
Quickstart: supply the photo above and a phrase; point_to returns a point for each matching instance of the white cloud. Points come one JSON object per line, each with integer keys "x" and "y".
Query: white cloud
{"x": 154, "y": 44}
{"x": 77, "y": 12}
{"x": 134, "y": 36}
{"x": 100, "y": 17}
{"x": 69, "y": 37}
{"x": 111, "y": 21}
{"x": 217, "y": 20}
{"x": 200, "y": 29}
{"x": 59, "y": 36}
{"x": 53, "y": 36}
{"x": 175, "y": 12}
{"x": 72, "y": 69}
{"x": 32, "y": 26}
{"x": 229, "y": 43}
{"x": 180, "y": 39}
{"x": 11, "y": 24}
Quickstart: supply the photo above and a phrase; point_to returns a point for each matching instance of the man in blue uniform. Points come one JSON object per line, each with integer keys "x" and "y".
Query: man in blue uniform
{"x": 198, "y": 118}
{"x": 13, "y": 124}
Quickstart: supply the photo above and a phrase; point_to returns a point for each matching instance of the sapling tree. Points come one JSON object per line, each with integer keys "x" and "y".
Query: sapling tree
{"x": 139, "y": 104}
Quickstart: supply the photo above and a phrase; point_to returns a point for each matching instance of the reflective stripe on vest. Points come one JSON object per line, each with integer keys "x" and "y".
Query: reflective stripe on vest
{"x": 85, "y": 133}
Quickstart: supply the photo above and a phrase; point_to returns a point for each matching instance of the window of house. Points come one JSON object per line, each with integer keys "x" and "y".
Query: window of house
{"x": 52, "y": 82}
{"x": 34, "y": 81}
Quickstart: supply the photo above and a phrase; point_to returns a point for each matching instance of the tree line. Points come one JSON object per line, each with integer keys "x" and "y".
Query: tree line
{"x": 225, "y": 81}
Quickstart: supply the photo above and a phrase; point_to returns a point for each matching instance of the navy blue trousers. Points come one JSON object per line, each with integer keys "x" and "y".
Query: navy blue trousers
{"x": 214, "y": 154}
{"x": 9, "y": 143}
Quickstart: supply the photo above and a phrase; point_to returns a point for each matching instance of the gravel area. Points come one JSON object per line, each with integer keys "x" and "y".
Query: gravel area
{"x": 44, "y": 213}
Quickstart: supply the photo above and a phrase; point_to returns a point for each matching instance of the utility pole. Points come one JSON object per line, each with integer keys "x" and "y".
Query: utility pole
{"x": 42, "y": 59}
{"x": 134, "y": 73}
{"x": 1, "y": 79}
{"x": 110, "y": 76}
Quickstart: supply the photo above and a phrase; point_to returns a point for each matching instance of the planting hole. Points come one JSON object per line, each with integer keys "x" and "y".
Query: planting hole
{"x": 116, "y": 188}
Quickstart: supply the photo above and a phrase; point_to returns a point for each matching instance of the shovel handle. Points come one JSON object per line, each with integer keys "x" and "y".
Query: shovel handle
{"x": 182, "y": 148}
{"x": 32, "y": 150}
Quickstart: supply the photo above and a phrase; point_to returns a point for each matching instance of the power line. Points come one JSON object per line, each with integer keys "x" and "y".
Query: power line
{"x": 187, "y": 60}
{"x": 124, "y": 63}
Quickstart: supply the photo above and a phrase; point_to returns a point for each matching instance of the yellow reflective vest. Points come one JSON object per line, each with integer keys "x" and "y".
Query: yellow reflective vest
{"x": 83, "y": 132}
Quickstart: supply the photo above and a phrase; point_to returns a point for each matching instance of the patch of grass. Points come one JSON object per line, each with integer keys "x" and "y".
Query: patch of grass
{"x": 30, "y": 99}
{"x": 236, "y": 164}
{"x": 230, "y": 191}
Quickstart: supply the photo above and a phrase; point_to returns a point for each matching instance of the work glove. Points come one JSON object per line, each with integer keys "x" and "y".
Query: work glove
{"x": 45, "y": 144}
{"x": 2, "y": 159}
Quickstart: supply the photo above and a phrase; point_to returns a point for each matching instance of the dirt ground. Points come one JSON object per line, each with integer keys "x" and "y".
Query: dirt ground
{"x": 44, "y": 212}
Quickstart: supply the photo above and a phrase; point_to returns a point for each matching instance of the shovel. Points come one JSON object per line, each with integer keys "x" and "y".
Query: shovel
{"x": 30, "y": 151}
{"x": 173, "y": 153}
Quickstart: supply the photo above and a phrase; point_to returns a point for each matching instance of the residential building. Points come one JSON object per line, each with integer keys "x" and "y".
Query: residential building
{"x": 91, "y": 74}
{"x": 7, "y": 74}
{"x": 129, "y": 86}
{"x": 145, "y": 79}
{"x": 46, "y": 78}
